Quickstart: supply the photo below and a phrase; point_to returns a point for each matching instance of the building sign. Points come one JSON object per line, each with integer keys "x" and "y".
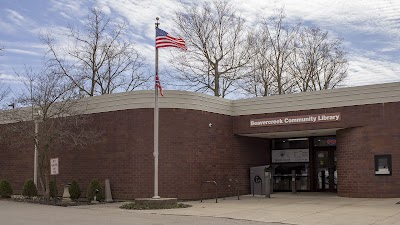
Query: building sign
{"x": 290, "y": 155}
{"x": 289, "y": 120}
{"x": 54, "y": 166}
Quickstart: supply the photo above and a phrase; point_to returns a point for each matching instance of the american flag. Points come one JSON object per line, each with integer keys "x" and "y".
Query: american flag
{"x": 158, "y": 85}
{"x": 164, "y": 40}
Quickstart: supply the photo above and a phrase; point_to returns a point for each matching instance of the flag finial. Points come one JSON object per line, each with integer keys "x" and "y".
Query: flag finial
{"x": 157, "y": 23}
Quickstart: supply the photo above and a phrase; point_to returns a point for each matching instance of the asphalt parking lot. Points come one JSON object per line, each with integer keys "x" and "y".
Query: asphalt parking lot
{"x": 301, "y": 209}
{"x": 281, "y": 208}
{"x": 19, "y": 213}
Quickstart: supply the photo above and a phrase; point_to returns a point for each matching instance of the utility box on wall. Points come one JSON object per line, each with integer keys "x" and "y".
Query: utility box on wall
{"x": 257, "y": 180}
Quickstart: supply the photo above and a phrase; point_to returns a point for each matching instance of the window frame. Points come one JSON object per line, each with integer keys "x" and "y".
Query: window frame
{"x": 389, "y": 164}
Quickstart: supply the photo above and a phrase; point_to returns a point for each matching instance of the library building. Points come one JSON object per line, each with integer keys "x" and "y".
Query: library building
{"x": 345, "y": 141}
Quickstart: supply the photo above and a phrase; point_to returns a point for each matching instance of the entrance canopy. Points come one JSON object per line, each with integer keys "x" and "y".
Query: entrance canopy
{"x": 293, "y": 134}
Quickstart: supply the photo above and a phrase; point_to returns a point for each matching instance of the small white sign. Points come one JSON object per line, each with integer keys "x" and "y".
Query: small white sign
{"x": 292, "y": 155}
{"x": 54, "y": 166}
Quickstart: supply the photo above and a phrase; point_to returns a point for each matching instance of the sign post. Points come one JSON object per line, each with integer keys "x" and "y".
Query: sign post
{"x": 54, "y": 171}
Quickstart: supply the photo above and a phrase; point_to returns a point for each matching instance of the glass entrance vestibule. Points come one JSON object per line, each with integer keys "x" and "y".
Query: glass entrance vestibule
{"x": 310, "y": 161}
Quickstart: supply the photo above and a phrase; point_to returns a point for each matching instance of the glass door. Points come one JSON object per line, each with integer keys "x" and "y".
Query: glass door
{"x": 325, "y": 170}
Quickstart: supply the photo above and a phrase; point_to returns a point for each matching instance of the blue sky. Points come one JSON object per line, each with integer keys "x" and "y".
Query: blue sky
{"x": 370, "y": 29}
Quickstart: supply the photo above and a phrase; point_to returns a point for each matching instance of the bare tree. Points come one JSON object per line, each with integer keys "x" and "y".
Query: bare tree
{"x": 4, "y": 92}
{"x": 217, "y": 43}
{"x": 278, "y": 41}
{"x": 272, "y": 47}
{"x": 52, "y": 101}
{"x": 100, "y": 60}
{"x": 319, "y": 61}
{"x": 259, "y": 81}
{"x": 290, "y": 58}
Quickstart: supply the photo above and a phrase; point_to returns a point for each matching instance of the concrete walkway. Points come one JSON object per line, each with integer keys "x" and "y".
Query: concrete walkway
{"x": 301, "y": 208}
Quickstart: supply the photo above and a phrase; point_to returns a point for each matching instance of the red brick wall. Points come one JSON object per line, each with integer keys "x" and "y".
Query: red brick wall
{"x": 356, "y": 148}
{"x": 16, "y": 162}
{"x": 190, "y": 152}
{"x": 367, "y": 130}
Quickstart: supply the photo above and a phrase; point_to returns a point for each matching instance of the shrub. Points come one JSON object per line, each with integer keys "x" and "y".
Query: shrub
{"x": 5, "y": 189}
{"x": 53, "y": 189}
{"x": 91, "y": 191}
{"x": 29, "y": 189}
{"x": 74, "y": 190}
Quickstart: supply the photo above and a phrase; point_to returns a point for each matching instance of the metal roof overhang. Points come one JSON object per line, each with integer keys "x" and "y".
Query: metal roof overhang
{"x": 294, "y": 134}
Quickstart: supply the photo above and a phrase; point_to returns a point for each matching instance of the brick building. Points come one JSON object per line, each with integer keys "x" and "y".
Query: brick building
{"x": 343, "y": 140}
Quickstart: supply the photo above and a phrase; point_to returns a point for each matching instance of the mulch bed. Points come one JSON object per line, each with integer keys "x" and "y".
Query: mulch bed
{"x": 144, "y": 206}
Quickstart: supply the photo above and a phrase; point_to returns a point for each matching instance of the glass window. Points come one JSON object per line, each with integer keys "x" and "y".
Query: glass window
{"x": 383, "y": 164}
{"x": 290, "y": 143}
{"x": 325, "y": 141}
{"x": 283, "y": 176}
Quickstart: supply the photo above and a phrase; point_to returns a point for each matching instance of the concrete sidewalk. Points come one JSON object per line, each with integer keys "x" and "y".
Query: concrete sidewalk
{"x": 300, "y": 208}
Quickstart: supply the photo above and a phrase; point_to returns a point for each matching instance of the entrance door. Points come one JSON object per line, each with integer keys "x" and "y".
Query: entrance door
{"x": 325, "y": 170}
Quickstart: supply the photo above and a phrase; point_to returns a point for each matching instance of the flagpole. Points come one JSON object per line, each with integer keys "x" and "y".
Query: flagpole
{"x": 155, "y": 153}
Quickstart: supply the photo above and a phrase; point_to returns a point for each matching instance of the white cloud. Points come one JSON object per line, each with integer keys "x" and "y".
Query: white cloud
{"x": 18, "y": 24}
{"x": 364, "y": 70}
{"x": 65, "y": 15}
{"x": 23, "y": 52}
{"x": 102, "y": 6}
{"x": 369, "y": 16}
{"x": 22, "y": 49}
{"x": 371, "y": 29}
{"x": 76, "y": 8}
{"x": 11, "y": 21}
{"x": 141, "y": 15}
{"x": 15, "y": 16}
{"x": 9, "y": 79}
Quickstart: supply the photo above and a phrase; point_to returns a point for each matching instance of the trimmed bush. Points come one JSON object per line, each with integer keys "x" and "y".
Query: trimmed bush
{"x": 5, "y": 189}
{"x": 74, "y": 190}
{"x": 29, "y": 189}
{"x": 53, "y": 189}
{"x": 91, "y": 191}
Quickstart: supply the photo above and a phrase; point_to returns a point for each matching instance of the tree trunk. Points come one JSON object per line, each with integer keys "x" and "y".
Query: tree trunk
{"x": 46, "y": 193}
{"x": 216, "y": 80}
